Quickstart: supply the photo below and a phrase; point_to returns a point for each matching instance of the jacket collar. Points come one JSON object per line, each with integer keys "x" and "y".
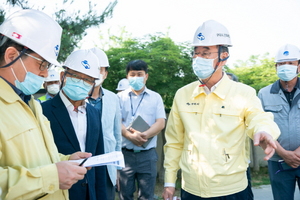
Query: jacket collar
{"x": 7, "y": 89}
{"x": 222, "y": 88}
{"x": 276, "y": 86}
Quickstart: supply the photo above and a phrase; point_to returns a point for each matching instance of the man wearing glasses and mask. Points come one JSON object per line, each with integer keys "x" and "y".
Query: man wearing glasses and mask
{"x": 30, "y": 165}
{"x": 209, "y": 122}
{"x": 76, "y": 125}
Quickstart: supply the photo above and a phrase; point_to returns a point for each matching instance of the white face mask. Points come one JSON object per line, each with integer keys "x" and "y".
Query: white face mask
{"x": 287, "y": 72}
{"x": 100, "y": 81}
{"x": 31, "y": 84}
{"x": 203, "y": 68}
{"x": 53, "y": 89}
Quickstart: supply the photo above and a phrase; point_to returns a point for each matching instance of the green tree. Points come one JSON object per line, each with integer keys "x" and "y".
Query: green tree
{"x": 74, "y": 24}
{"x": 258, "y": 71}
{"x": 169, "y": 64}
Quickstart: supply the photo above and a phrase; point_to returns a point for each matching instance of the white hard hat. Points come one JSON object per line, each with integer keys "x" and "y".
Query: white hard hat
{"x": 83, "y": 61}
{"x": 286, "y": 53}
{"x": 35, "y": 30}
{"x": 53, "y": 75}
{"x": 123, "y": 84}
{"x": 102, "y": 57}
{"x": 211, "y": 33}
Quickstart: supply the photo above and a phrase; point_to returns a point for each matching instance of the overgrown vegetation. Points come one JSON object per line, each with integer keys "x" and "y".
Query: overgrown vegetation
{"x": 260, "y": 177}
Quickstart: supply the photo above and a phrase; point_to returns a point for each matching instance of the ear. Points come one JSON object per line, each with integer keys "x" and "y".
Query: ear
{"x": 10, "y": 54}
{"x": 146, "y": 77}
{"x": 223, "y": 56}
{"x": 61, "y": 75}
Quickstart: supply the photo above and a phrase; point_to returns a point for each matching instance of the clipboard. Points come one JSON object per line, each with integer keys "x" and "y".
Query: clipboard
{"x": 141, "y": 125}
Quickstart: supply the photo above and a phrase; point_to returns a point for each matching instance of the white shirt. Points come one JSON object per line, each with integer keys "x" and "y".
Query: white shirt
{"x": 207, "y": 91}
{"x": 78, "y": 119}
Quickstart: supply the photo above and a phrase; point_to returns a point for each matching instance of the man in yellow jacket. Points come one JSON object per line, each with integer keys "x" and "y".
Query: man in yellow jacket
{"x": 208, "y": 124}
{"x": 30, "y": 165}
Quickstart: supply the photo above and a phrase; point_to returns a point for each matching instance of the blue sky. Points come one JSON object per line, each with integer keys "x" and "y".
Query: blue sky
{"x": 256, "y": 26}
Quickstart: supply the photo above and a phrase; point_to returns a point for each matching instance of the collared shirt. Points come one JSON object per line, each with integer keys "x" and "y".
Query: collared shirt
{"x": 289, "y": 95}
{"x": 286, "y": 116}
{"x": 78, "y": 119}
{"x": 208, "y": 91}
{"x": 97, "y": 103}
{"x": 206, "y": 135}
{"x": 149, "y": 105}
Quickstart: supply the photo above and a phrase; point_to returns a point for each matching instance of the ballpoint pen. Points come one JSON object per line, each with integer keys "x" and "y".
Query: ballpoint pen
{"x": 83, "y": 162}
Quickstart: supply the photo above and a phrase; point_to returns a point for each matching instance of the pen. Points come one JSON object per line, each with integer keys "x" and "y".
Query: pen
{"x": 83, "y": 162}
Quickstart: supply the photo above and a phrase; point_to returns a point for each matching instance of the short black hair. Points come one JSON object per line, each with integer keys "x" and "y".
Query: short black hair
{"x": 224, "y": 49}
{"x": 137, "y": 65}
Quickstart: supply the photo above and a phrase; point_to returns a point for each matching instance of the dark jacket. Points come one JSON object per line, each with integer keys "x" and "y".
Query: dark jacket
{"x": 66, "y": 141}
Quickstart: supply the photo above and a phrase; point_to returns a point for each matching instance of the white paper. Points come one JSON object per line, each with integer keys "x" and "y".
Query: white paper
{"x": 113, "y": 158}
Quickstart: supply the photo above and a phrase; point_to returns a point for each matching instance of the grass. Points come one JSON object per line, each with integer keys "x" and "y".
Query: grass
{"x": 258, "y": 178}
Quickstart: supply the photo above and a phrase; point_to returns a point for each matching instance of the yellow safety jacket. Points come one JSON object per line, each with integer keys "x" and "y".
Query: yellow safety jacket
{"x": 206, "y": 135}
{"x": 27, "y": 150}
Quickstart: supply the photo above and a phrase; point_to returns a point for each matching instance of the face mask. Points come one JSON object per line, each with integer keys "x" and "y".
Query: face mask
{"x": 76, "y": 91}
{"x": 137, "y": 83}
{"x": 99, "y": 82}
{"x": 203, "y": 68}
{"x": 31, "y": 84}
{"x": 53, "y": 89}
{"x": 287, "y": 72}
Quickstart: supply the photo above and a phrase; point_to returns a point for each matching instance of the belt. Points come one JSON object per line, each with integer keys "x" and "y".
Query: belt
{"x": 136, "y": 151}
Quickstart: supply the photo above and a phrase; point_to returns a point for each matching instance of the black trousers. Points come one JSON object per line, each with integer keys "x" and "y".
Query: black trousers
{"x": 243, "y": 195}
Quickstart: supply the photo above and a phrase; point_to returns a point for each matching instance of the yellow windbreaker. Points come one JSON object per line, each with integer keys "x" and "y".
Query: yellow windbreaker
{"x": 206, "y": 137}
{"x": 27, "y": 150}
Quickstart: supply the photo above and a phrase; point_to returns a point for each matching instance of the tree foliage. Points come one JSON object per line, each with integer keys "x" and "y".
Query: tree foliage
{"x": 258, "y": 71}
{"x": 169, "y": 64}
{"x": 74, "y": 24}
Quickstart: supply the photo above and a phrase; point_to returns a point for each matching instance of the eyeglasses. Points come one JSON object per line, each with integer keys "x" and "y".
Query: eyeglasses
{"x": 76, "y": 78}
{"x": 44, "y": 64}
{"x": 203, "y": 54}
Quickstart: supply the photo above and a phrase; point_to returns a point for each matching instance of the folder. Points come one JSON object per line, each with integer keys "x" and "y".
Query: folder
{"x": 140, "y": 125}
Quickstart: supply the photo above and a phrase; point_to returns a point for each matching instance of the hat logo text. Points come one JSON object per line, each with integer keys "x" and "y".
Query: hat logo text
{"x": 223, "y": 35}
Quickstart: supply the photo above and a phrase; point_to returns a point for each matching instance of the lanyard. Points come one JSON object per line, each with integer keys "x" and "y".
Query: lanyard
{"x": 133, "y": 113}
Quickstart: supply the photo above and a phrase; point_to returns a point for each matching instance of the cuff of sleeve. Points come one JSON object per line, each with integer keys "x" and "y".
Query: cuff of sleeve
{"x": 64, "y": 157}
{"x": 50, "y": 178}
{"x": 169, "y": 185}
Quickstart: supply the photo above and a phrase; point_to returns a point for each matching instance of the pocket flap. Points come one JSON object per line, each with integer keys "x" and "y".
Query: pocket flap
{"x": 273, "y": 108}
